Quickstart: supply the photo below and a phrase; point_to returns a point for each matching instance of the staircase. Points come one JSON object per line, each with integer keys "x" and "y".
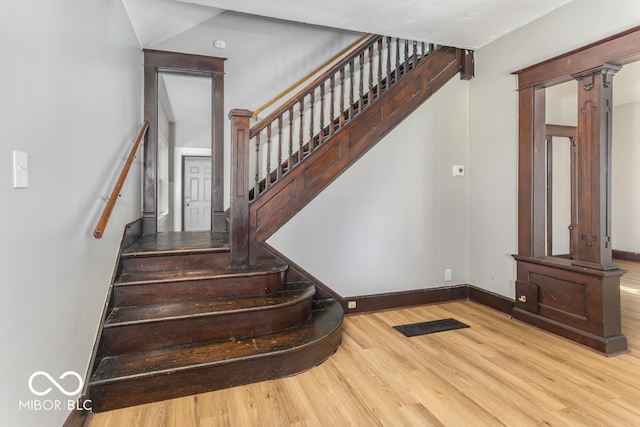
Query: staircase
{"x": 181, "y": 321}
{"x": 193, "y": 312}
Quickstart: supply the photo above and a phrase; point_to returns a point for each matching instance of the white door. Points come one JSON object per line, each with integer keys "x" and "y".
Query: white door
{"x": 197, "y": 193}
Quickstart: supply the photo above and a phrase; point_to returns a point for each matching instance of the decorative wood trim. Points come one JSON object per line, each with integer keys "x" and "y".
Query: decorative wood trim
{"x": 627, "y": 256}
{"x": 295, "y": 273}
{"x": 620, "y": 49}
{"x": 490, "y": 299}
{"x": 156, "y": 61}
{"x": 405, "y": 299}
{"x": 289, "y": 195}
{"x": 398, "y": 300}
{"x": 239, "y": 233}
{"x": 578, "y": 299}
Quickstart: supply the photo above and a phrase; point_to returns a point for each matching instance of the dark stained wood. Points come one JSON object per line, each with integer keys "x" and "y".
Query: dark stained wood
{"x": 363, "y": 45}
{"x": 175, "y": 242}
{"x": 395, "y": 300}
{"x": 239, "y": 233}
{"x": 191, "y": 65}
{"x": 175, "y": 251}
{"x": 468, "y": 71}
{"x": 579, "y": 298}
{"x": 619, "y": 49}
{"x": 196, "y": 284}
{"x": 150, "y": 159}
{"x": 219, "y": 220}
{"x": 626, "y": 255}
{"x": 561, "y": 130}
{"x": 398, "y": 300}
{"x": 595, "y": 91}
{"x": 111, "y": 202}
{"x": 578, "y": 303}
{"x": 490, "y": 299}
{"x": 150, "y": 327}
{"x": 298, "y": 187}
{"x": 133, "y": 379}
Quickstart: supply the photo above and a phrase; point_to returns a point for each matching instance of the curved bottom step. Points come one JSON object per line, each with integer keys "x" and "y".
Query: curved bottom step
{"x": 145, "y": 377}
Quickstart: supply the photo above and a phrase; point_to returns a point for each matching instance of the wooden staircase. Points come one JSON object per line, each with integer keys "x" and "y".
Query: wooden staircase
{"x": 182, "y": 321}
{"x": 193, "y": 312}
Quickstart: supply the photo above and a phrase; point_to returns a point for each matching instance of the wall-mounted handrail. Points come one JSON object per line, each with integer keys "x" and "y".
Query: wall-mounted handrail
{"x": 311, "y": 74}
{"x": 106, "y": 213}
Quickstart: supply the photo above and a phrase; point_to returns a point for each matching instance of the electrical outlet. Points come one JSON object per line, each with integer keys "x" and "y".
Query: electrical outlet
{"x": 447, "y": 274}
{"x": 457, "y": 170}
{"x": 351, "y": 304}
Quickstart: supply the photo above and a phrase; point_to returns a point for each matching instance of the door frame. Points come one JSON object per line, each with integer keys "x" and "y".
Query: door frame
{"x": 156, "y": 62}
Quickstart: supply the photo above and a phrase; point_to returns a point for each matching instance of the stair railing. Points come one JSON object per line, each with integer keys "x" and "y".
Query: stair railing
{"x": 292, "y": 131}
{"x": 111, "y": 202}
{"x": 299, "y": 83}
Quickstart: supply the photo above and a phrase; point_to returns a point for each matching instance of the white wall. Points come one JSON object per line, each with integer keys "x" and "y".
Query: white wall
{"x": 71, "y": 86}
{"x": 626, "y": 176}
{"x": 264, "y": 57}
{"x": 493, "y": 126}
{"x": 397, "y": 218}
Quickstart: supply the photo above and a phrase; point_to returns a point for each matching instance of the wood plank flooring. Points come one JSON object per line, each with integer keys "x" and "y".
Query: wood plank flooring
{"x": 497, "y": 372}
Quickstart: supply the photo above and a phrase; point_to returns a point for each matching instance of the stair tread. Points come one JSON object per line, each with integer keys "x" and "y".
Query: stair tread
{"x": 178, "y": 242}
{"x": 199, "y": 273}
{"x": 122, "y": 316}
{"x": 326, "y": 317}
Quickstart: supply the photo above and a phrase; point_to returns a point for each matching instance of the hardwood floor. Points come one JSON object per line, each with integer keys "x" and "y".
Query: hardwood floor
{"x": 497, "y": 372}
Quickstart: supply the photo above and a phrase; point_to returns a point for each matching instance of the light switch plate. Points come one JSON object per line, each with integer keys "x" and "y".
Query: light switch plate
{"x": 20, "y": 170}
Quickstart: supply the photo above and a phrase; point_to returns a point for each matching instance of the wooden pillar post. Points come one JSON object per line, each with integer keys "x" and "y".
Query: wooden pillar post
{"x": 594, "y": 167}
{"x": 218, "y": 219}
{"x": 239, "y": 232}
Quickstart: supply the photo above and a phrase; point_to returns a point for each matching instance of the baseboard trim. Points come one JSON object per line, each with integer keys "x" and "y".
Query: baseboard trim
{"x": 490, "y": 299}
{"x": 405, "y": 299}
{"x": 627, "y": 256}
{"x": 398, "y": 300}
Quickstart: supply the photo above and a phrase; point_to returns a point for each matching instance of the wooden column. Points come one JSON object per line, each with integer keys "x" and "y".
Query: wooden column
{"x": 218, "y": 220}
{"x": 239, "y": 233}
{"x": 594, "y": 167}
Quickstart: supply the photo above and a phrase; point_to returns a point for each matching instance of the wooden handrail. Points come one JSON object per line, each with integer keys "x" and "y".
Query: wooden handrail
{"x": 370, "y": 39}
{"x": 308, "y": 76}
{"x": 106, "y": 214}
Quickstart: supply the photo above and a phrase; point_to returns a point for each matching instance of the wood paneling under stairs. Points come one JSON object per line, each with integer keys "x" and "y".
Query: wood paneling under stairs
{"x": 176, "y": 326}
{"x": 498, "y": 372}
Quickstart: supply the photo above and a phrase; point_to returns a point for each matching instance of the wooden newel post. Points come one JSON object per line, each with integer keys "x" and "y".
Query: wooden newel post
{"x": 239, "y": 233}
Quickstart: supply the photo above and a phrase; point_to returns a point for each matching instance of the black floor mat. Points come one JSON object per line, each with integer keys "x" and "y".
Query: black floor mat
{"x": 434, "y": 326}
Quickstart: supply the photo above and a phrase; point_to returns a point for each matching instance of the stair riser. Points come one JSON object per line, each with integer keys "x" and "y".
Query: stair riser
{"x": 151, "y": 336}
{"x": 106, "y": 397}
{"x": 195, "y": 290}
{"x": 143, "y": 264}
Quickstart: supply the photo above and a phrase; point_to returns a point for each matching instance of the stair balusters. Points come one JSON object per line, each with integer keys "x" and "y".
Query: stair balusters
{"x": 370, "y": 71}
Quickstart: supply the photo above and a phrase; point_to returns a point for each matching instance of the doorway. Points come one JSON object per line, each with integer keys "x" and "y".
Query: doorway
{"x": 196, "y": 194}
{"x": 163, "y": 72}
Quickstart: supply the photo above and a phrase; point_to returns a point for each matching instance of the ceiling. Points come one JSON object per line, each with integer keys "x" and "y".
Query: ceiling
{"x": 466, "y": 24}
{"x": 461, "y": 23}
